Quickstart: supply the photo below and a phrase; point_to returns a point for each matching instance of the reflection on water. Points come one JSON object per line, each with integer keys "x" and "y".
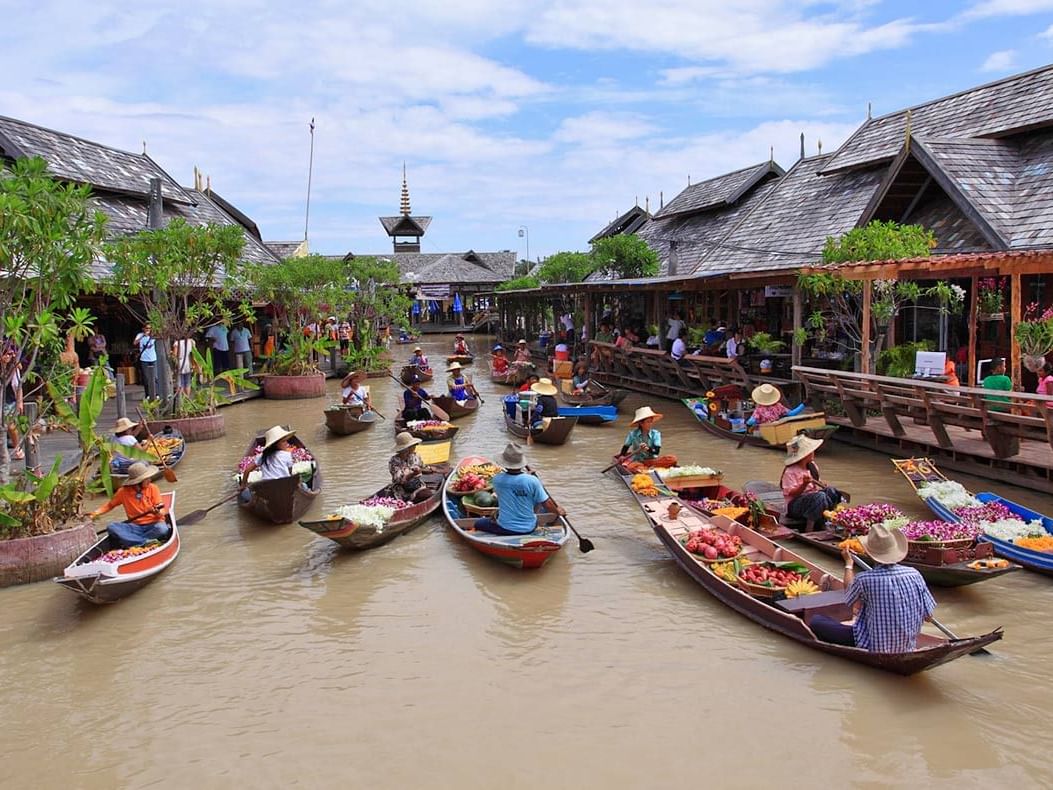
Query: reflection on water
{"x": 267, "y": 656}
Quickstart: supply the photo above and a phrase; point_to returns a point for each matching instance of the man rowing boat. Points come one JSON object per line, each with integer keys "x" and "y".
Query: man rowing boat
{"x": 518, "y": 493}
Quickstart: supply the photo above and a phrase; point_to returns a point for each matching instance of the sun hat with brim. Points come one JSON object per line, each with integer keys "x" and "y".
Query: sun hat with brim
{"x": 454, "y": 366}
{"x": 766, "y": 395}
{"x": 544, "y": 387}
{"x": 512, "y": 457}
{"x": 645, "y": 412}
{"x": 123, "y": 424}
{"x": 522, "y": 342}
{"x": 458, "y": 335}
{"x": 406, "y": 440}
{"x": 139, "y": 472}
{"x": 417, "y": 348}
{"x": 800, "y": 447}
{"x": 887, "y": 546}
{"x": 275, "y": 435}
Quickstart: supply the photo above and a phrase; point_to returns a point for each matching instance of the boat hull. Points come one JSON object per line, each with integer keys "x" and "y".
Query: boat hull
{"x": 455, "y": 409}
{"x": 343, "y": 422}
{"x": 284, "y": 500}
{"x": 556, "y": 432}
{"x": 750, "y": 439}
{"x": 409, "y": 372}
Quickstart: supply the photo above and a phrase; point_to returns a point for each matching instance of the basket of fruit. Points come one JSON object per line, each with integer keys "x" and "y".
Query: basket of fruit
{"x": 712, "y": 545}
{"x": 480, "y": 503}
{"x": 473, "y": 478}
{"x": 771, "y": 579}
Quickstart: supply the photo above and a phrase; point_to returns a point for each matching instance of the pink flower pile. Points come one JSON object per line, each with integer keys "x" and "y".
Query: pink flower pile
{"x": 981, "y": 514}
{"x": 385, "y": 501}
{"x": 298, "y": 454}
{"x": 940, "y": 531}
{"x": 859, "y": 519}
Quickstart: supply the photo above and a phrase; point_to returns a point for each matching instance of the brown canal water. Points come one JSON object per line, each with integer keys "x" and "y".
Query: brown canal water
{"x": 267, "y": 657}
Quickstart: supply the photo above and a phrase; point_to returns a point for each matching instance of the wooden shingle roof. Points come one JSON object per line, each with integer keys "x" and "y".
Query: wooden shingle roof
{"x": 450, "y": 267}
{"x": 723, "y": 190}
{"x": 627, "y": 223}
{"x": 403, "y": 225}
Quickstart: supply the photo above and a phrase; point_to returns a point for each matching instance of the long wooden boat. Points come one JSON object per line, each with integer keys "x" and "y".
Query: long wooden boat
{"x": 455, "y": 408}
{"x": 531, "y": 550}
{"x": 604, "y": 397}
{"x": 400, "y": 425}
{"x": 747, "y": 438}
{"x": 791, "y": 617}
{"x": 590, "y": 415}
{"x": 99, "y": 581}
{"x": 515, "y": 375}
{"x": 464, "y": 359}
{"x": 359, "y": 537}
{"x": 924, "y": 470}
{"x": 284, "y": 500}
{"x": 346, "y": 420}
{"x": 119, "y": 469}
{"x": 411, "y": 372}
{"x": 556, "y": 430}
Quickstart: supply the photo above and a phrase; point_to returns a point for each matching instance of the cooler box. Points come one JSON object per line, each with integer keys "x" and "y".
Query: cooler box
{"x": 543, "y": 339}
{"x": 563, "y": 368}
{"x": 562, "y": 356}
{"x": 511, "y": 401}
{"x": 781, "y": 431}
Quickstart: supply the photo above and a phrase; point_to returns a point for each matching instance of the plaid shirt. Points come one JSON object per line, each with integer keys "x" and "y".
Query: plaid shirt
{"x": 895, "y": 603}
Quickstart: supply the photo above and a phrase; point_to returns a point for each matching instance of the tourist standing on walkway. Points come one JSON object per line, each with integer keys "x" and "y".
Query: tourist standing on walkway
{"x": 676, "y": 327}
{"x": 96, "y": 347}
{"x": 13, "y": 405}
{"x": 146, "y": 347}
{"x": 1045, "y": 382}
{"x": 183, "y": 353}
{"x": 216, "y": 336}
{"x": 241, "y": 338}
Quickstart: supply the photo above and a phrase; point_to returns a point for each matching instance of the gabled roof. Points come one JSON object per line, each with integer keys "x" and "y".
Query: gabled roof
{"x": 721, "y": 191}
{"x": 997, "y": 109}
{"x": 236, "y": 214}
{"x": 405, "y": 225}
{"x": 287, "y": 249}
{"x": 84, "y": 162}
{"x": 627, "y": 223}
{"x": 422, "y": 268}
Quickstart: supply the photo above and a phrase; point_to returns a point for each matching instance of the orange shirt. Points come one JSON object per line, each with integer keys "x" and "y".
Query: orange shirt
{"x": 951, "y": 374}
{"x": 138, "y": 509}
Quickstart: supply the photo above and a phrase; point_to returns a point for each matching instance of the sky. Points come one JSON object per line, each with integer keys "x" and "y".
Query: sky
{"x": 549, "y": 115}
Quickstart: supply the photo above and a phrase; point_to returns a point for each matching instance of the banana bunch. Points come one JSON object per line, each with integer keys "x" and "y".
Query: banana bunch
{"x": 801, "y": 587}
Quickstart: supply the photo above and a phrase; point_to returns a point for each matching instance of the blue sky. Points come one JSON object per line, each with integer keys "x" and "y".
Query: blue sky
{"x": 553, "y": 114}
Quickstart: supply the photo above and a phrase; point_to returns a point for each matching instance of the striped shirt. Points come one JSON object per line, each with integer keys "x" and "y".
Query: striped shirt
{"x": 895, "y": 604}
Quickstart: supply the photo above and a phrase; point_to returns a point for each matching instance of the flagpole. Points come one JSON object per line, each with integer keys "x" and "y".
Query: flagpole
{"x": 310, "y": 170}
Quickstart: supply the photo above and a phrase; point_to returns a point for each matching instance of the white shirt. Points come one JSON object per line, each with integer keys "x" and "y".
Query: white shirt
{"x": 183, "y": 354}
{"x": 676, "y": 326}
{"x": 277, "y": 466}
{"x": 679, "y": 349}
{"x": 732, "y": 348}
{"x": 127, "y": 440}
{"x": 568, "y": 321}
{"x": 358, "y": 396}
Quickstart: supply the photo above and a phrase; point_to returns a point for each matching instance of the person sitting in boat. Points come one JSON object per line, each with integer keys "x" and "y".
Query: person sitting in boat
{"x": 124, "y": 435}
{"x": 769, "y": 407}
{"x": 460, "y": 383}
{"x": 460, "y": 346}
{"x": 546, "y": 405}
{"x": 531, "y": 380}
{"x": 144, "y": 509}
{"x": 523, "y": 356}
{"x": 275, "y": 460}
{"x": 518, "y": 494}
{"x": 419, "y": 359}
{"x": 644, "y": 441}
{"x": 807, "y": 496}
{"x": 499, "y": 362}
{"x": 406, "y": 468}
{"x": 354, "y": 393}
{"x": 413, "y": 402}
{"x": 890, "y": 601}
{"x": 581, "y": 377}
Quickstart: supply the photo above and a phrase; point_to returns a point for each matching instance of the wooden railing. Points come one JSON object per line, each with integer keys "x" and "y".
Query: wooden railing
{"x": 1002, "y": 423}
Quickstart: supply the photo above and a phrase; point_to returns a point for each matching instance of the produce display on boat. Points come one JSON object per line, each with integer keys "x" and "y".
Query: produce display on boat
{"x": 164, "y": 447}
{"x": 661, "y": 462}
{"x": 475, "y": 477}
{"x": 687, "y": 471}
{"x": 429, "y": 426}
{"x": 858, "y": 519}
{"x": 992, "y": 518}
{"x": 712, "y": 544}
{"x": 116, "y": 555}
{"x": 644, "y": 484}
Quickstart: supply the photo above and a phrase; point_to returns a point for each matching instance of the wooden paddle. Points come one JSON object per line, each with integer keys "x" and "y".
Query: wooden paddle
{"x": 197, "y": 515}
{"x": 442, "y": 415}
{"x": 980, "y": 651}
{"x": 170, "y": 475}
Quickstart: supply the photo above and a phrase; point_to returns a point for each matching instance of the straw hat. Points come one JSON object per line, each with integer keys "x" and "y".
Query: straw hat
{"x": 645, "y": 412}
{"x": 418, "y": 348}
{"x": 544, "y": 387}
{"x": 454, "y": 366}
{"x": 356, "y": 374}
{"x": 800, "y": 447}
{"x": 139, "y": 472}
{"x": 275, "y": 435}
{"x": 512, "y": 457}
{"x": 766, "y": 395}
{"x": 522, "y": 342}
{"x": 887, "y": 546}
{"x": 406, "y": 440}
{"x": 123, "y": 424}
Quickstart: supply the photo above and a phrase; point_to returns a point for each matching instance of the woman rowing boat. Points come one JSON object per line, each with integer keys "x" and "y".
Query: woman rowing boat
{"x": 807, "y": 496}
{"x": 460, "y": 384}
{"x": 406, "y": 469}
{"x": 354, "y": 394}
{"x": 644, "y": 441}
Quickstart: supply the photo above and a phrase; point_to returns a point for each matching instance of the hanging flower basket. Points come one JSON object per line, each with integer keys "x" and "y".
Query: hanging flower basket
{"x": 1033, "y": 362}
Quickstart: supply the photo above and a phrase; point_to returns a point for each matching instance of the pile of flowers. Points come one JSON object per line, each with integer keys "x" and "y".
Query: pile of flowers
{"x": 367, "y": 515}
{"x": 859, "y": 519}
{"x": 1044, "y": 543}
{"x": 939, "y": 531}
{"x": 949, "y": 493}
{"x": 996, "y": 520}
{"x": 643, "y": 484}
{"x": 688, "y": 471}
{"x": 385, "y": 501}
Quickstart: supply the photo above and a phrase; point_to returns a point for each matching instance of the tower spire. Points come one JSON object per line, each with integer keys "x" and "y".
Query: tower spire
{"x": 405, "y": 204}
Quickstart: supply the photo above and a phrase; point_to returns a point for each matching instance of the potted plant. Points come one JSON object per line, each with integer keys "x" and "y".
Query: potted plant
{"x": 1034, "y": 335}
{"x": 990, "y": 298}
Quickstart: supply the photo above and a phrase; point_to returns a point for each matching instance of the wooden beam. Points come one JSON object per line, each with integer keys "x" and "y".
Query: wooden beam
{"x": 868, "y": 293}
{"x": 1014, "y": 319}
{"x": 974, "y": 298}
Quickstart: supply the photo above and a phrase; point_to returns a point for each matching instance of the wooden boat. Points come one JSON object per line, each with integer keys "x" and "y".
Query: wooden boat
{"x": 923, "y": 470}
{"x": 409, "y": 372}
{"x": 814, "y": 431}
{"x": 531, "y": 550}
{"x": 590, "y": 415}
{"x": 345, "y": 420}
{"x": 401, "y": 425}
{"x": 284, "y": 500}
{"x": 464, "y": 359}
{"x": 454, "y": 408}
{"x": 119, "y": 469}
{"x": 105, "y": 582}
{"x": 517, "y": 373}
{"x": 600, "y": 396}
{"x": 791, "y": 617}
{"x": 364, "y": 536}
{"x": 555, "y": 431}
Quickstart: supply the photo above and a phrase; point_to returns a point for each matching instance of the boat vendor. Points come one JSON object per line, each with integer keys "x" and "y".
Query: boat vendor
{"x": 406, "y": 468}
{"x": 546, "y": 401}
{"x": 460, "y": 346}
{"x": 413, "y": 402}
{"x": 144, "y": 509}
{"x": 531, "y": 379}
{"x": 522, "y": 355}
{"x": 419, "y": 359}
{"x": 518, "y": 494}
{"x": 275, "y": 460}
{"x": 581, "y": 377}
{"x": 644, "y": 441}
{"x": 807, "y": 495}
{"x": 353, "y": 392}
{"x": 997, "y": 380}
{"x": 769, "y": 406}
{"x": 460, "y": 383}
{"x": 124, "y": 435}
{"x": 499, "y": 362}
{"x": 890, "y": 601}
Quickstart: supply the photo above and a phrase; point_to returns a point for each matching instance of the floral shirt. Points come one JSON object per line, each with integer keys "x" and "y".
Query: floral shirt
{"x": 763, "y": 414}
{"x": 402, "y": 468}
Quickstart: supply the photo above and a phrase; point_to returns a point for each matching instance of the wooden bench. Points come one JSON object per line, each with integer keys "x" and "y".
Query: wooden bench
{"x": 714, "y": 372}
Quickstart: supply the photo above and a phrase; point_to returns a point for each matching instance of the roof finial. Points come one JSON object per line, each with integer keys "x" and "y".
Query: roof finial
{"x": 661, "y": 200}
{"x": 820, "y": 146}
{"x": 802, "y": 145}
{"x": 689, "y": 179}
{"x": 647, "y": 204}
{"x": 906, "y": 141}
{"x": 869, "y": 111}
{"x": 144, "y": 147}
{"x": 636, "y": 201}
{"x": 405, "y": 204}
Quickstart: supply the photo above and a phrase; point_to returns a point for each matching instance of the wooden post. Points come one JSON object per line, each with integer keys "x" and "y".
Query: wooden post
{"x": 1014, "y": 319}
{"x": 868, "y": 293}
{"x": 122, "y": 400}
{"x": 974, "y": 298}
{"x": 797, "y": 351}
{"x": 29, "y": 445}
{"x": 332, "y": 358}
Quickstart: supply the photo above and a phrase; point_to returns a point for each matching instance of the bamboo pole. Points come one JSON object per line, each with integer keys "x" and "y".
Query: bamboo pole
{"x": 974, "y": 300}
{"x": 868, "y": 292}
{"x": 1014, "y": 319}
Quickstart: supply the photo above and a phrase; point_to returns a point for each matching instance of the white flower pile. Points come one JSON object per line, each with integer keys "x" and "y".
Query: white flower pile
{"x": 366, "y": 515}
{"x": 1012, "y": 528}
{"x": 949, "y": 493}
{"x": 303, "y": 467}
{"x": 687, "y": 471}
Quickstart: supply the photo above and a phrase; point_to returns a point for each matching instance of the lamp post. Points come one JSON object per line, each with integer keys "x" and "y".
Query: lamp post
{"x": 524, "y": 231}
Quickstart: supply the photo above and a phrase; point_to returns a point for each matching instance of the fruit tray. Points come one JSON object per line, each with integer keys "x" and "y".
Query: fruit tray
{"x": 761, "y": 591}
{"x": 468, "y": 503}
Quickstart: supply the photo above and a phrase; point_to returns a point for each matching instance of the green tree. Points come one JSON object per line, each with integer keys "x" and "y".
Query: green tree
{"x": 377, "y": 301}
{"x": 519, "y": 283}
{"x": 625, "y": 257}
{"x": 879, "y": 241}
{"x": 567, "y": 267}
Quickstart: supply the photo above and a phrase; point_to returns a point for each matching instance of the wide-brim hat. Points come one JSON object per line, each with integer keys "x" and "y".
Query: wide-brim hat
{"x": 139, "y": 472}
{"x": 887, "y": 546}
{"x": 454, "y": 366}
{"x": 645, "y": 412}
{"x": 522, "y": 342}
{"x": 800, "y": 447}
{"x": 512, "y": 457}
{"x": 123, "y": 424}
{"x": 275, "y": 435}
{"x": 356, "y": 374}
{"x": 417, "y": 348}
{"x": 406, "y": 440}
{"x": 766, "y": 395}
{"x": 544, "y": 387}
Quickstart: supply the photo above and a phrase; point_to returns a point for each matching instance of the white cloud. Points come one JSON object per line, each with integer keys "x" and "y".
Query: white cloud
{"x": 991, "y": 8}
{"x": 1002, "y": 61}
{"x": 1047, "y": 34}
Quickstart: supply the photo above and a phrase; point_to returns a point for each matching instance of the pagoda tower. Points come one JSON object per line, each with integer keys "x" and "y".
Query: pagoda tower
{"x": 405, "y": 230}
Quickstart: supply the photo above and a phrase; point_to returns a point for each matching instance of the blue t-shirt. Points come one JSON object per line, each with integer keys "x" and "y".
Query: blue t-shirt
{"x": 218, "y": 335}
{"x": 240, "y": 338}
{"x": 517, "y": 496}
{"x": 413, "y": 401}
{"x": 147, "y": 348}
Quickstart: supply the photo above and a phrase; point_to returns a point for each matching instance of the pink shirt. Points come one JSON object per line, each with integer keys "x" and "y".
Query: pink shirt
{"x": 1045, "y": 387}
{"x": 763, "y": 414}
{"x": 792, "y": 477}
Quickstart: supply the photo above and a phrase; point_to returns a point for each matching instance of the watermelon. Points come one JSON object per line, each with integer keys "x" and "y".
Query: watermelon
{"x": 485, "y": 499}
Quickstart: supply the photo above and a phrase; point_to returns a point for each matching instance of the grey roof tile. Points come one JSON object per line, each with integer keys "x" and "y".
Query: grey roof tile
{"x": 391, "y": 224}
{"x": 451, "y": 267}
{"x": 722, "y": 190}
{"x": 629, "y": 222}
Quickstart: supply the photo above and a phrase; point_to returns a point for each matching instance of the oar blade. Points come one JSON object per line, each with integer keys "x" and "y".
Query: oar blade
{"x": 192, "y": 518}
